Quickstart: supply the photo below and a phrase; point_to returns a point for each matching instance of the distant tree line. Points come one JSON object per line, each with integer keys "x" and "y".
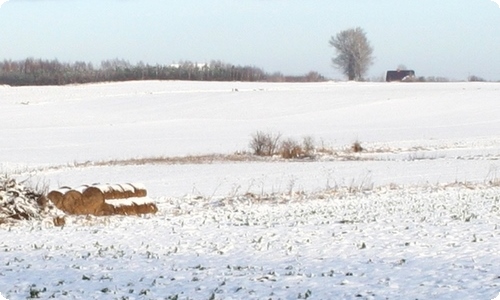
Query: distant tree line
{"x": 52, "y": 72}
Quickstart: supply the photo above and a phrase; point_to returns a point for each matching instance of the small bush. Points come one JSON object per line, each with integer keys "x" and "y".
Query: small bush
{"x": 308, "y": 145}
{"x": 356, "y": 147}
{"x": 291, "y": 149}
{"x": 265, "y": 144}
{"x": 269, "y": 144}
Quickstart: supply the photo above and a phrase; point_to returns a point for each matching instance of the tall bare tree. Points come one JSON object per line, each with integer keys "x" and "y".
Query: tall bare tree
{"x": 353, "y": 52}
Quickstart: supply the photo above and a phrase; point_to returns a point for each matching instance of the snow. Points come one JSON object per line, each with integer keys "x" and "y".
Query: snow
{"x": 130, "y": 201}
{"x": 127, "y": 188}
{"x": 81, "y": 188}
{"x": 19, "y": 202}
{"x": 414, "y": 216}
{"x": 63, "y": 190}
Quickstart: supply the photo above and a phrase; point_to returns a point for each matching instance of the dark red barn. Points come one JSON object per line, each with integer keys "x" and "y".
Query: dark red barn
{"x": 399, "y": 75}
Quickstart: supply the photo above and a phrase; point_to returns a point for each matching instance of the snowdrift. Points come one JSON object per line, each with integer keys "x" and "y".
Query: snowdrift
{"x": 103, "y": 200}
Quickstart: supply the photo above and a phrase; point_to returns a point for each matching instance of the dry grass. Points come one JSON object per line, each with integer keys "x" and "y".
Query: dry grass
{"x": 287, "y": 149}
{"x": 177, "y": 160}
{"x": 59, "y": 221}
{"x": 290, "y": 148}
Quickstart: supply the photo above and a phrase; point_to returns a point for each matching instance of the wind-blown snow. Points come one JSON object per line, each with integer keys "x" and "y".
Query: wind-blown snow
{"x": 414, "y": 216}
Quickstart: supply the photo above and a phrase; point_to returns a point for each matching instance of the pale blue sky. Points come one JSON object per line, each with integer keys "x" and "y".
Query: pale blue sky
{"x": 452, "y": 38}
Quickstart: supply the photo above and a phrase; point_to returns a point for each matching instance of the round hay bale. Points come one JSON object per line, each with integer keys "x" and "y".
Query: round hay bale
{"x": 72, "y": 202}
{"x": 126, "y": 209}
{"x": 147, "y": 208}
{"x": 139, "y": 190}
{"x": 114, "y": 191}
{"x": 131, "y": 210}
{"x": 106, "y": 189}
{"x": 103, "y": 187}
{"x": 105, "y": 210}
{"x": 92, "y": 200}
{"x": 56, "y": 196}
{"x": 136, "y": 209}
{"x": 128, "y": 190}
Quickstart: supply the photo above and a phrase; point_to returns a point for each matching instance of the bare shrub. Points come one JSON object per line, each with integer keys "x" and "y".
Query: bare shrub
{"x": 356, "y": 147}
{"x": 308, "y": 145}
{"x": 265, "y": 144}
{"x": 290, "y": 148}
{"x": 21, "y": 202}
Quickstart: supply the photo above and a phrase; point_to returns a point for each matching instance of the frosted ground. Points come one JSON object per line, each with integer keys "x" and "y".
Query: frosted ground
{"x": 415, "y": 216}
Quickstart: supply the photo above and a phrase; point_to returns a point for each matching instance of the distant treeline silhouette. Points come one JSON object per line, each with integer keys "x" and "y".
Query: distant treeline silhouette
{"x": 32, "y": 71}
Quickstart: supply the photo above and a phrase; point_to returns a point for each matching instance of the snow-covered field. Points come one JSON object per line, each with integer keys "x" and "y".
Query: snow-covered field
{"x": 415, "y": 216}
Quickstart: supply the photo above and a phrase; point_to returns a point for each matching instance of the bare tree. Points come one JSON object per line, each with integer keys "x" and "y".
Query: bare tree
{"x": 354, "y": 53}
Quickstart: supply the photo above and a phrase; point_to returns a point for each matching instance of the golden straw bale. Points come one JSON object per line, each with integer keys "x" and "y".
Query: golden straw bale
{"x": 122, "y": 191}
{"x": 109, "y": 192}
{"x": 56, "y": 196}
{"x": 105, "y": 210}
{"x": 82, "y": 207}
{"x": 103, "y": 200}
{"x": 103, "y": 187}
{"x": 147, "y": 208}
{"x": 139, "y": 190}
{"x": 114, "y": 191}
{"x": 136, "y": 209}
{"x": 126, "y": 209}
{"x": 106, "y": 189}
{"x": 94, "y": 192}
{"x": 92, "y": 199}
{"x": 128, "y": 190}
{"x": 72, "y": 202}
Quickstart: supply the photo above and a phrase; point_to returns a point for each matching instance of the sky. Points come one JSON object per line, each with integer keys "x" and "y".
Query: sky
{"x": 448, "y": 38}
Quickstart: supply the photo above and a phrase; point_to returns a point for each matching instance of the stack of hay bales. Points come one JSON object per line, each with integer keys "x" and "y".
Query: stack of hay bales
{"x": 103, "y": 200}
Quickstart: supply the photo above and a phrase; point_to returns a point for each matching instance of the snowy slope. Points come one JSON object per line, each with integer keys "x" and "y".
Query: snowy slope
{"x": 140, "y": 119}
{"x": 414, "y": 217}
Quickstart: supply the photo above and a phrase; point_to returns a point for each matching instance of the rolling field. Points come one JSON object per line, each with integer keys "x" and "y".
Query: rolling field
{"x": 414, "y": 216}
